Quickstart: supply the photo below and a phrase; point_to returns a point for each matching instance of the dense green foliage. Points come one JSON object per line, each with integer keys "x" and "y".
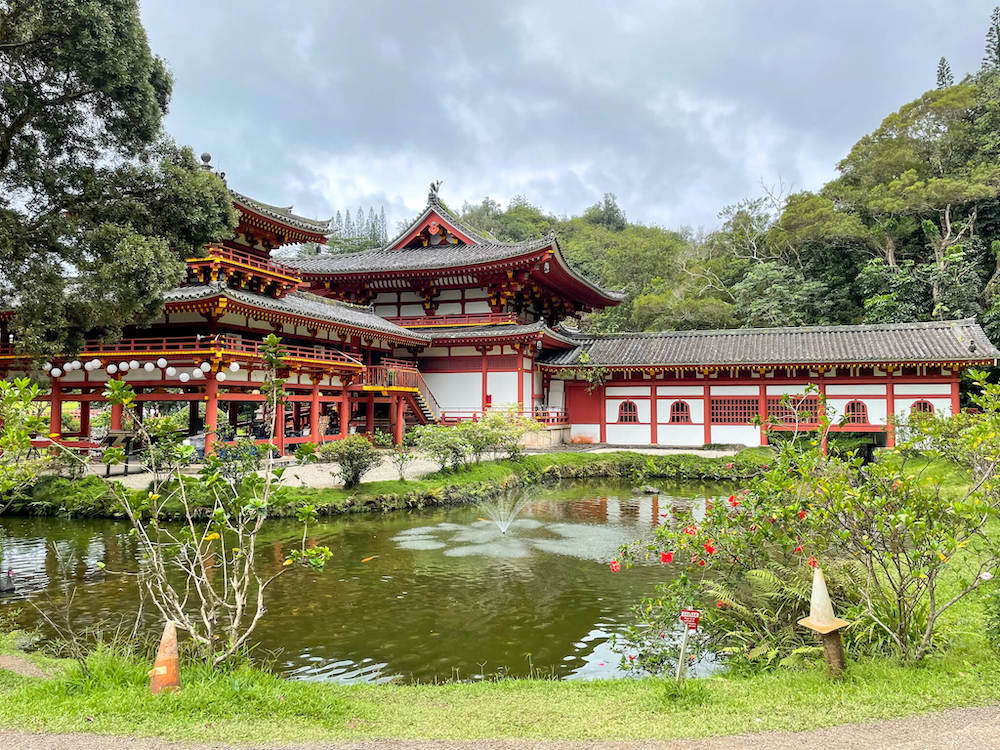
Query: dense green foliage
{"x": 98, "y": 207}
{"x": 909, "y": 230}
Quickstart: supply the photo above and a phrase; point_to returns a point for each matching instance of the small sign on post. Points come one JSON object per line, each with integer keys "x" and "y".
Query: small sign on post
{"x": 690, "y": 617}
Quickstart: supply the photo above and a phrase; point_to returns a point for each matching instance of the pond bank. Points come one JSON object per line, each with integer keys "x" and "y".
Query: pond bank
{"x": 88, "y": 497}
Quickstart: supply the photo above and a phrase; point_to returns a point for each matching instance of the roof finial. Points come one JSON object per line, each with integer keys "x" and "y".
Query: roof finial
{"x": 432, "y": 196}
{"x": 206, "y": 161}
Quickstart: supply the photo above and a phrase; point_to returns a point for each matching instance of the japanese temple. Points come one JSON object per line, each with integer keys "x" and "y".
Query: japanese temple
{"x": 444, "y": 323}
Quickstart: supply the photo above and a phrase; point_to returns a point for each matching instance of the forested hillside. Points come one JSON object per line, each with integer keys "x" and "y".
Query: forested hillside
{"x": 909, "y": 230}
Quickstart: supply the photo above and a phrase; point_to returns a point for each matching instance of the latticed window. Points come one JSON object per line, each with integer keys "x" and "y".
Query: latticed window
{"x": 856, "y": 412}
{"x": 734, "y": 410}
{"x": 922, "y": 407}
{"x": 628, "y": 412}
{"x": 680, "y": 413}
{"x": 797, "y": 409}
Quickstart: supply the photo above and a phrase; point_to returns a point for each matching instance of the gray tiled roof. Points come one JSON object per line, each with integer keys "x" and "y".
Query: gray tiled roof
{"x": 303, "y": 304}
{"x": 282, "y": 214}
{"x": 430, "y": 257}
{"x": 488, "y": 331}
{"x": 939, "y": 341}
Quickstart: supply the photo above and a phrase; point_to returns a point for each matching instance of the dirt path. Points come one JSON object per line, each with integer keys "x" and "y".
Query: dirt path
{"x": 958, "y": 729}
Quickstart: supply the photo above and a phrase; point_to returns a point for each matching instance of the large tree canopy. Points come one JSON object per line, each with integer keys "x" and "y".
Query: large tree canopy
{"x": 97, "y": 206}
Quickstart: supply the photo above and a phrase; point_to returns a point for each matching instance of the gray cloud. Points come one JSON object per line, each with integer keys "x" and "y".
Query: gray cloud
{"x": 678, "y": 108}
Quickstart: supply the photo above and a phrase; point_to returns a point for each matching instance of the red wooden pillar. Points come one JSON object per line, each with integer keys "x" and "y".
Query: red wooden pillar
{"x": 345, "y": 413}
{"x": 279, "y": 427}
{"x": 55, "y": 410}
{"x": 116, "y": 416}
{"x": 399, "y": 423}
{"x": 85, "y": 419}
{"x": 707, "y": 419}
{"x": 956, "y": 405}
{"x": 314, "y": 435}
{"x": 652, "y": 414}
{"x": 520, "y": 377}
{"x": 370, "y": 414}
{"x": 890, "y": 412}
{"x": 604, "y": 416}
{"x": 211, "y": 413}
{"x": 762, "y": 410}
{"x": 485, "y": 388}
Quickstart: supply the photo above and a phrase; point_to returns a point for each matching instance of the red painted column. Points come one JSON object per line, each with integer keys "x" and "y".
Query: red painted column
{"x": 345, "y": 412}
{"x": 956, "y": 404}
{"x": 604, "y": 415}
{"x": 399, "y": 425}
{"x": 708, "y": 414}
{"x": 483, "y": 351}
{"x": 890, "y": 412}
{"x": 314, "y": 435}
{"x": 762, "y": 410}
{"x": 85, "y": 419}
{"x": 211, "y": 413}
{"x": 370, "y": 414}
{"x": 116, "y": 416}
{"x": 279, "y": 427}
{"x": 652, "y": 414}
{"x": 520, "y": 378}
{"x": 55, "y": 410}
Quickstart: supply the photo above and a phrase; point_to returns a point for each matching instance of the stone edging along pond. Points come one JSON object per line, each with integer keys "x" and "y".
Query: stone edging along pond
{"x": 89, "y": 498}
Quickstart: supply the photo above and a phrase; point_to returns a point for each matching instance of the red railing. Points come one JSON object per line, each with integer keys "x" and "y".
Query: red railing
{"x": 543, "y": 415}
{"x": 216, "y": 345}
{"x": 380, "y": 376}
{"x": 471, "y": 319}
{"x": 247, "y": 259}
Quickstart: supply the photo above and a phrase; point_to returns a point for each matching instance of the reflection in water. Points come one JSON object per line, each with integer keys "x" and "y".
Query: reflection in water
{"x": 448, "y": 595}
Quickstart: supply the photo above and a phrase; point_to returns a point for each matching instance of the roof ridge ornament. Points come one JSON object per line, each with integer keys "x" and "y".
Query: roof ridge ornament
{"x": 432, "y": 196}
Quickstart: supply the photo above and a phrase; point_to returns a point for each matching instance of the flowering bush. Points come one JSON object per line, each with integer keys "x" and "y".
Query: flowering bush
{"x": 886, "y": 533}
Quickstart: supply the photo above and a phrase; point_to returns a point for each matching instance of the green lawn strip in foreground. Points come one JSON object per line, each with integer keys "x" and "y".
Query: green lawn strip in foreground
{"x": 251, "y": 706}
{"x": 89, "y": 497}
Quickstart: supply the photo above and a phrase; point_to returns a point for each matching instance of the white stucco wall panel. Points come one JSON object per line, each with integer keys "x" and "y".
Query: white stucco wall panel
{"x": 736, "y": 434}
{"x": 696, "y": 406}
{"x": 456, "y": 390}
{"x": 629, "y": 390}
{"x": 735, "y": 390}
{"x": 680, "y": 390}
{"x": 680, "y": 435}
{"x": 876, "y": 408}
{"x": 585, "y": 433}
{"x": 857, "y": 389}
{"x": 781, "y": 390}
{"x": 628, "y": 434}
{"x": 612, "y": 404}
{"x": 502, "y": 386}
{"x": 921, "y": 389}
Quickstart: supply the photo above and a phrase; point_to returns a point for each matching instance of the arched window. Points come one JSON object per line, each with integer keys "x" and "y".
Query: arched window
{"x": 856, "y": 412}
{"x": 680, "y": 413}
{"x": 922, "y": 407}
{"x": 628, "y": 412}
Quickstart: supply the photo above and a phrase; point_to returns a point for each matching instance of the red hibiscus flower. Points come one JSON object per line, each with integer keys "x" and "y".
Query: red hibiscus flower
{"x": 720, "y": 604}
{"x": 666, "y": 557}
{"x": 802, "y": 514}
{"x": 615, "y": 566}
{"x": 701, "y": 563}
{"x": 811, "y": 562}
{"x": 753, "y": 527}
{"x": 799, "y": 548}
{"x": 729, "y": 466}
{"x": 733, "y": 501}
{"x": 709, "y": 548}
{"x": 691, "y": 530}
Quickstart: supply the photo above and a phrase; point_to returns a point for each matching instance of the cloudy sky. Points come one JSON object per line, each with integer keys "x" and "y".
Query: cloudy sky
{"x": 677, "y": 107}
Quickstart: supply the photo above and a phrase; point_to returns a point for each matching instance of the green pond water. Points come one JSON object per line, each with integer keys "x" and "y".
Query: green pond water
{"x": 446, "y": 595}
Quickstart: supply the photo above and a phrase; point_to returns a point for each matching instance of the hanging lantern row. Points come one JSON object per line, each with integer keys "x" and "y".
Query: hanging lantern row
{"x": 198, "y": 373}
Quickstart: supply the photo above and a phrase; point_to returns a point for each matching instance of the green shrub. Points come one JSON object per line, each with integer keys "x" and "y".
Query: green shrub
{"x": 355, "y": 455}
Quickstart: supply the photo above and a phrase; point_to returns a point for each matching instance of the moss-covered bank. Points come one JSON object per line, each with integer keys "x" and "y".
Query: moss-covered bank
{"x": 89, "y": 497}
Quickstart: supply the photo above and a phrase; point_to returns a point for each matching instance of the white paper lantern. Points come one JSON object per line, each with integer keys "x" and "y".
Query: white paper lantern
{"x": 184, "y": 377}
{"x": 234, "y": 367}
{"x": 76, "y": 364}
{"x": 88, "y": 366}
{"x": 205, "y": 366}
{"x": 171, "y": 371}
{"x": 46, "y": 366}
{"x": 149, "y": 367}
{"x": 220, "y": 376}
{"x": 197, "y": 374}
{"x": 123, "y": 366}
{"x": 134, "y": 364}
{"x": 55, "y": 372}
{"x": 161, "y": 363}
{"x": 96, "y": 363}
{"x": 112, "y": 369}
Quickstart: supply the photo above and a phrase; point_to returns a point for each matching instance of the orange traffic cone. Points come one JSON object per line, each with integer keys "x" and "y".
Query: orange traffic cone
{"x": 166, "y": 673}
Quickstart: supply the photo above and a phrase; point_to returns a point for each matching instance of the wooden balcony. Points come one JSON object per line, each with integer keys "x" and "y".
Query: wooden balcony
{"x": 446, "y": 321}
{"x": 225, "y": 262}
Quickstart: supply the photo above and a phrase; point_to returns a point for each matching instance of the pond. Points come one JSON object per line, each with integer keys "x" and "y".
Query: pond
{"x": 423, "y": 595}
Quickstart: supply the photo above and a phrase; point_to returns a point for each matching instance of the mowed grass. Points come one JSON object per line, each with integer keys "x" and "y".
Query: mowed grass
{"x": 248, "y": 705}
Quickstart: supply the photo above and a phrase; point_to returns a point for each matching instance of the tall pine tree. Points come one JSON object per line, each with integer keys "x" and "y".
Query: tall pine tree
{"x": 991, "y": 58}
{"x": 945, "y": 78}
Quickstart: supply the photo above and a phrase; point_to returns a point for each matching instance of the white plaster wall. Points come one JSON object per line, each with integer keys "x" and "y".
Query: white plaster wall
{"x": 477, "y": 307}
{"x": 922, "y": 388}
{"x": 681, "y": 435}
{"x": 188, "y": 317}
{"x": 697, "y": 407}
{"x": 409, "y": 297}
{"x": 557, "y": 394}
{"x": 859, "y": 389}
{"x": 735, "y": 390}
{"x": 449, "y": 308}
{"x": 591, "y": 432}
{"x": 456, "y": 390}
{"x": 450, "y": 294}
{"x": 781, "y": 390}
{"x": 611, "y": 409}
{"x": 736, "y": 434}
{"x": 630, "y": 390}
{"x": 386, "y": 311}
{"x": 876, "y": 408}
{"x": 681, "y": 390}
{"x": 384, "y": 298}
{"x": 465, "y": 351}
{"x": 628, "y": 434}
{"x": 411, "y": 310}
{"x": 528, "y": 396}
{"x": 502, "y": 386}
